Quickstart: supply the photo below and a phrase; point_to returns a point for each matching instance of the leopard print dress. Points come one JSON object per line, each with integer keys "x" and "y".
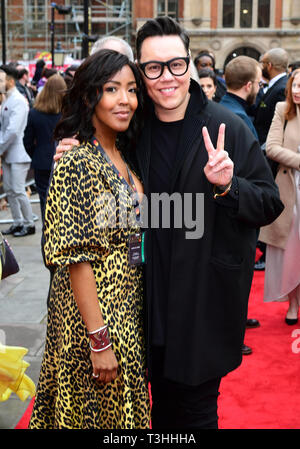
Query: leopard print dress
{"x": 82, "y": 196}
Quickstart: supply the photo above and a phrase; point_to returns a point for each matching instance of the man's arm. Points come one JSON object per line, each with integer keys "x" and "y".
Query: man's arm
{"x": 17, "y": 116}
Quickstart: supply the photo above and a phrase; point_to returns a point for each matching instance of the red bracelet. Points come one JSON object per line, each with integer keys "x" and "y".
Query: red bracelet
{"x": 99, "y": 339}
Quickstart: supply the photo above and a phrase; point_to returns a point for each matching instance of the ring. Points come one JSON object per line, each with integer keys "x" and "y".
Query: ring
{"x": 95, "y": 375}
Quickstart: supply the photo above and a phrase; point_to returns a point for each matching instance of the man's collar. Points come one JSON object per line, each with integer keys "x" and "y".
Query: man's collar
{"x": 276, "y": 78}
{"x": 9, "y": 92}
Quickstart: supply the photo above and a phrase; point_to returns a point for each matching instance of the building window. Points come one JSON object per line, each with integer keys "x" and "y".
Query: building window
{"x": 37, "y": 9}
{"x": 228, "y": 13}
{"x": 263, "y": 13}
{"x": 246, "y": 13}
{"x": 167, "y": 8}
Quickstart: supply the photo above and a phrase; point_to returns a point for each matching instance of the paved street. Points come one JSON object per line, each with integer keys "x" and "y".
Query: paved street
{"x": 23, "y": 309}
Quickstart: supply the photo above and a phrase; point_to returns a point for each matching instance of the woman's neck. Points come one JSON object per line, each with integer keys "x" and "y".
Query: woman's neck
{"x": 108, "y": 143}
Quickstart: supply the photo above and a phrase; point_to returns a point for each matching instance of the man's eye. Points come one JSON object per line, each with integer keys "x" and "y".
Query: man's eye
{"x": 153, "y": 68}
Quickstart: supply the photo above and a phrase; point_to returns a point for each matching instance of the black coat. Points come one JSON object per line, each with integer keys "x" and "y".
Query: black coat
{"x": 38, "y": 138}
{"x": 210, "y": 278}
{"x": 266, "y": 108}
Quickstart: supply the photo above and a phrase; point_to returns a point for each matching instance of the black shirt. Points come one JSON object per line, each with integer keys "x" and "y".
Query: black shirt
{"x": 164, "y": 143}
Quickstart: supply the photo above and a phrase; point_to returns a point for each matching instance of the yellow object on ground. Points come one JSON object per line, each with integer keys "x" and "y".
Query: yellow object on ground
{"x": 12, "y": 373}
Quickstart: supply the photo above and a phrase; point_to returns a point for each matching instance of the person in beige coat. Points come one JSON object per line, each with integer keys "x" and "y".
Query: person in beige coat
{"x": 282, "y": 275}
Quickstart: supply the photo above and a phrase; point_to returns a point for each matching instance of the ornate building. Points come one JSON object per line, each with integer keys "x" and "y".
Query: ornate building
{"x": 229, "y": 28}
{"x": 225, "y": 27}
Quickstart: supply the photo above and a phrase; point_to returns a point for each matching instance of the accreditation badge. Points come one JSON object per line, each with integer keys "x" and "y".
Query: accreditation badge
{"x": 136, "y": 248}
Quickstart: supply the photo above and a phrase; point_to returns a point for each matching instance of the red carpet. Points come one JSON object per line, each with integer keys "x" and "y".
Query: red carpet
{"x": 264, "y": 392}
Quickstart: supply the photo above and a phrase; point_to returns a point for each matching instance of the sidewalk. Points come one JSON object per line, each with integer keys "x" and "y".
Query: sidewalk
{"x": 23, "y": 309}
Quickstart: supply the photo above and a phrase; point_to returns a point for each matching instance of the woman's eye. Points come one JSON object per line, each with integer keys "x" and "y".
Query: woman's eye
{"x": 110, "y": 89}
{"x": 133, "y": 90}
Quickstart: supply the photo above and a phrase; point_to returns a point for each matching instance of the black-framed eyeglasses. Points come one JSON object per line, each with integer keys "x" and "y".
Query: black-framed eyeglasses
{"x": 154, "y": 69}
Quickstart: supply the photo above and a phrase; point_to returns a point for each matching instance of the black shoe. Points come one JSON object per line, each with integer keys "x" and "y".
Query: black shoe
{"x": 26, "y": 230}
{"x": 12, "y": 230}
{"x": 246, "y": 350}
{"x": 259, "y": 265}
{"x": 291, "y": 321}
{"x": 252, "y": 323}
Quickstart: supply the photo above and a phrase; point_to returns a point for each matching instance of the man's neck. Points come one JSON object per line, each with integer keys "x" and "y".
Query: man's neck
{"x": 238, "y": 93}
{"x": 9, "y": 91}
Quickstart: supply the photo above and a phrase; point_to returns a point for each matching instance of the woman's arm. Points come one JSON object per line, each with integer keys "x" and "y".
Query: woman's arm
{"x": 274, "y": 148}
{"x": 85, "y": 291}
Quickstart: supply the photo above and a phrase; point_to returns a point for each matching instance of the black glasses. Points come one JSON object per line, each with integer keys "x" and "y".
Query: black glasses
{"x": 154, "y": 69}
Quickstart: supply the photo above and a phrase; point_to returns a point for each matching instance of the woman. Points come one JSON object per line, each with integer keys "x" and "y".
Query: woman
{"x": 205, "y": 60}
{"x": 208, "y": 82}
{"x": 282, "y": 275}
{"x": 38, "y": 136}
{"x": 93, "y": 371}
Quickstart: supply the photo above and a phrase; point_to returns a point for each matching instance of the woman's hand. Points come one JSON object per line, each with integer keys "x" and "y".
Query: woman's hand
{"x": 64, "y": 145}
{"x": 105, "y": 365}
{"x": 219, "y": 168}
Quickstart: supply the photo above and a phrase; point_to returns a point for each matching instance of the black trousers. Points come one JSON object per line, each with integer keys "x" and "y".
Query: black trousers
{"x": 179, "y": 406}
{"x": 42, "y": 178}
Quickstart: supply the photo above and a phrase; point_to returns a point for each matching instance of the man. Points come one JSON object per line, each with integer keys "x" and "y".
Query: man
{"x": 113, "y": 43}
{"x": 22, "y": 85}
{"x": 243, "y": 79}
{"x": 196, "y": 288}
{"x": 274, "y": 68}
{"x": 15, "y": 160}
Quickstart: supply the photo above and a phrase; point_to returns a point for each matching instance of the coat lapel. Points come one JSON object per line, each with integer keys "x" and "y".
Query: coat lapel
{"x": 191, "y": 131}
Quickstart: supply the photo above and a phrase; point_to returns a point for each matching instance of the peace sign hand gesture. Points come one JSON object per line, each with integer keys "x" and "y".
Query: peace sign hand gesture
{"x": 219, "y": 167}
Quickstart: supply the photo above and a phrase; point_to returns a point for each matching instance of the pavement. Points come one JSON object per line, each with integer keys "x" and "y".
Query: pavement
{"x": 23, "y": 308}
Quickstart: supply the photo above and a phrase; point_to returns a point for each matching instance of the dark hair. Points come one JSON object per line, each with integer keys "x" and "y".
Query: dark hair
{"x": 21, "y": 73}
{"x": 38, "y": 71}
{"x": 204, "y": 53}
{"x": 161, "y": 26}
{"x": 86, "y": 91}
{"x": 11, "y": 72}
{"x": 206, "y": 73}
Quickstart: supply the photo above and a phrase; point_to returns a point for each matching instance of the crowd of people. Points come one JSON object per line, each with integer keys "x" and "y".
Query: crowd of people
{"x": 130, "y": 303}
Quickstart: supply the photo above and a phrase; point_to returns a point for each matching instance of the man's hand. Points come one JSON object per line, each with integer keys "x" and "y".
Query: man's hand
{"x": 64, "y": 145}
{"x": 219, "y": 168}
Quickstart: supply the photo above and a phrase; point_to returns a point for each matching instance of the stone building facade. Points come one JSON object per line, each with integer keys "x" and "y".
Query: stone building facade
{"x": 229, "y": 28}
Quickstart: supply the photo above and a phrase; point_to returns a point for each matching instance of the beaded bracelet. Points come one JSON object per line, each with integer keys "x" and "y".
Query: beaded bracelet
{"x": 100, "y": 339}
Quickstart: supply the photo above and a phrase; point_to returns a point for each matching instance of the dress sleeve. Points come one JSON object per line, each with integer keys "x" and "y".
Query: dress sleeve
{"x": 72, "y": 233}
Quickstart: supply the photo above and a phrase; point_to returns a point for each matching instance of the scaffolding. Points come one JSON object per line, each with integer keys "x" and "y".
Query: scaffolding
{"x": 28, "y": 25}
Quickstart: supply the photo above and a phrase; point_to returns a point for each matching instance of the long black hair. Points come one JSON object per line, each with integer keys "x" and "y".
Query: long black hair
{"x": 86, "y": 91}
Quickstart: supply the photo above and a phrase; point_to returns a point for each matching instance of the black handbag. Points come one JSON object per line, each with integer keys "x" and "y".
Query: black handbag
{"x": 8, "y": 261}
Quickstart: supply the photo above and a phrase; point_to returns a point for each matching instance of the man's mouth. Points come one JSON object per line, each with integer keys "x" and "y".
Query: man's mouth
{"x": 167, "y": 90}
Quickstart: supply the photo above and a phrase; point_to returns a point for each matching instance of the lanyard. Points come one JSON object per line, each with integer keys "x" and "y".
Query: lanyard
{"x": 131, "y": 188}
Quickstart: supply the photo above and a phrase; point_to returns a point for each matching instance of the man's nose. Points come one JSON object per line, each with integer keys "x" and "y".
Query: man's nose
{"x": 166, "y": 75}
